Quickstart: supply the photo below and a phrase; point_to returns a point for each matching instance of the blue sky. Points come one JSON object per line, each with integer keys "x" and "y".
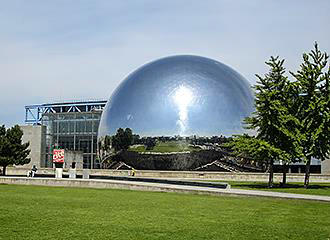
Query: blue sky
{"x": 64, "y": 50}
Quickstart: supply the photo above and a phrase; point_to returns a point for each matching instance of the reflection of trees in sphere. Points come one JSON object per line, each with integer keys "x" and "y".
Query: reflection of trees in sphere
{"x": 179, "y": 95}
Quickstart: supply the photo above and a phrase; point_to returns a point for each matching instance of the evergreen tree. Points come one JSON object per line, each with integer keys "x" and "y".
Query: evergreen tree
{"x": 12, "y": 150}
{"x": 273, "y": 119}
{"x": 313, "y": 107}
{"x": 277, "y": 137}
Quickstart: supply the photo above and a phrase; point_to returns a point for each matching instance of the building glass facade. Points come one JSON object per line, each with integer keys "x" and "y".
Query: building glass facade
{"x": 75, "y": 132}
{"x": 69, "y": 126}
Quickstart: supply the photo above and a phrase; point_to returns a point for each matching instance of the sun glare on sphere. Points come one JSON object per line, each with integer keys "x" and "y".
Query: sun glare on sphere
{"x": 183, "y": 97}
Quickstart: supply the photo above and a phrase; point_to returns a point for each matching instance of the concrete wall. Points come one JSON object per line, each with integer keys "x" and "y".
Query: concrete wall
{"x": 73, "y": 156}
{"x": 325, "y": 166}
{"x": 36, "y": 136}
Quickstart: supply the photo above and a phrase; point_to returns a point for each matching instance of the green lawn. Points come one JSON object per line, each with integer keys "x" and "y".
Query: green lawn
{"x": 170, "y": 146}
{"x": 315, "y": 188}
{"x": 30, "y": 212}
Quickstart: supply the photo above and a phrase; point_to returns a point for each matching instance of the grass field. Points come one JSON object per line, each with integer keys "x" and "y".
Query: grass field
{"x": 163, "y": 147}
{"x": 315, "y": 188}
{"x": 30, "y": 212}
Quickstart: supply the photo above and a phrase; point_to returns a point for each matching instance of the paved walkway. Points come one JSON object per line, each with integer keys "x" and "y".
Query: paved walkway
{"x": 148, "y": 186}
{"x": 231, "y": 191}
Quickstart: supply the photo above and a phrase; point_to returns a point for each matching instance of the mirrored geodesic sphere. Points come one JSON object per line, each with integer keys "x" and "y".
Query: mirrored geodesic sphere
{"x": 179, "y": 97}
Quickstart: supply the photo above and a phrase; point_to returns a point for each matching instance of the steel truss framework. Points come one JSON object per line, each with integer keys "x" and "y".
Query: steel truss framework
{"x": 34, "y": 113}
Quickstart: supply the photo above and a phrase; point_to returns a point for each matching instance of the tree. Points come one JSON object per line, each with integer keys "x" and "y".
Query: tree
{"x": 122, "y": 140}
{"x": 12, "y": 150}
{"x": 150, "y": 143}
{"x": 273, "y": 119}
{"x": 313, "y": 107}
{"x": 136, "y": 139}
{"x": 110, "y": 146}
{"x": 259, "y": 151}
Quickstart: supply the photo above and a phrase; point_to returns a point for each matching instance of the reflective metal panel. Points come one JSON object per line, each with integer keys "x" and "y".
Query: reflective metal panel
{"x": 179, "y": 96}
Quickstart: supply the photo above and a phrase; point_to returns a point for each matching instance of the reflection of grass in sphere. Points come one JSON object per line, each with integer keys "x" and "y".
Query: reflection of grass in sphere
{"x": 164, "y": 147}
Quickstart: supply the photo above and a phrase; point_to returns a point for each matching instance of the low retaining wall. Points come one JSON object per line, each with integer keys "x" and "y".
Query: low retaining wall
{"x": 225, "y": 176}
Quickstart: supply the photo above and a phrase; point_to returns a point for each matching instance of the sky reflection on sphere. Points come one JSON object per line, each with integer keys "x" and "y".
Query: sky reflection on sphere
{"x": 179, "y": 95}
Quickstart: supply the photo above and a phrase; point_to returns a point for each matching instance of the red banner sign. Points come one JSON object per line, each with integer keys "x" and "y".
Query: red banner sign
{"x": 58, "y": 156}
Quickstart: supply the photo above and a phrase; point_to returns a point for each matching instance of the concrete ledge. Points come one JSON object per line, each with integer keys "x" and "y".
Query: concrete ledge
{"x": 147, "y": 186}
{"x": 224, "y": 176}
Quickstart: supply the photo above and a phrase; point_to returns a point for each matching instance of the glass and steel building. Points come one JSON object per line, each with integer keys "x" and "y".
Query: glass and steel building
{"x": 69, "y": 125}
